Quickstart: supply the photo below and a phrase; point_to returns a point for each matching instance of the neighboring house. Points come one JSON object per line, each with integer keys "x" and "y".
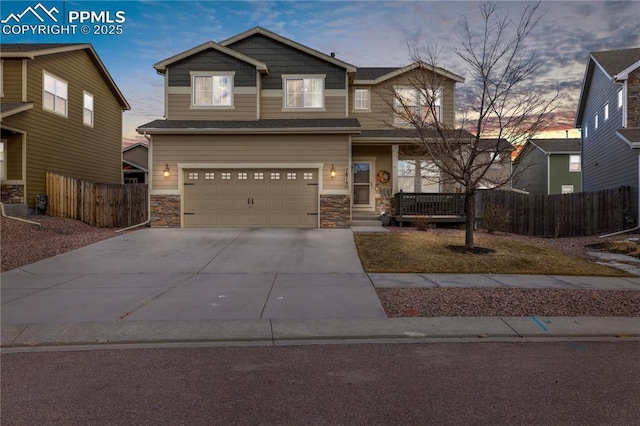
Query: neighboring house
{"x": 549, "y": 166}
{"x": 609, "y": 119}
{"x": 61, "y": 113}
{"x": 263, "y": 131}
{"x": 135, "y": 160}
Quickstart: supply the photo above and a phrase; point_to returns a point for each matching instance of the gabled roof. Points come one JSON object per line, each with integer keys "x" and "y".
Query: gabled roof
{"x": 374, "y": 76}
{"x": 615, "y": 64}
{"x": 284, "y": 40}
{"x": 551, "y": 146}
{"x": 162, "y": 65}
{"x": 33, "y": 50}
{"x": 135, "y": 145}
{"x": 317, "y": 125}
{"x": 133, "y": 164}
{"x": 558, "y": 146}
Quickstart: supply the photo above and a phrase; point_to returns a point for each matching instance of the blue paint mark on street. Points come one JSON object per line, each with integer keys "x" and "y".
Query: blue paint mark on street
{"x": 541, "y": 325}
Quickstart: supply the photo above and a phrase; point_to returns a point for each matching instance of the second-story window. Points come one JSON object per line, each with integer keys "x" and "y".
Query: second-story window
{"x": 213, "y": 90}
{"x": 304, "y": 92}
{"x": 620, "y": 99}
{"x": 574, "y": 163}
{"x": 361, "y": 101}
{"x": 413, "y": 104}
{"x": 54, "y": 96}
{"x": 87, "y": 110}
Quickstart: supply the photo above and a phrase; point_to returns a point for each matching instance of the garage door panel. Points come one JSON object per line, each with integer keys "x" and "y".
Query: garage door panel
{"x": 281, "y": 198}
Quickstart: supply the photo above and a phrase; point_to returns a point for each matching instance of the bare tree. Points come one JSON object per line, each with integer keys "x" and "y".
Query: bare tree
{"x": 500, "y": 110}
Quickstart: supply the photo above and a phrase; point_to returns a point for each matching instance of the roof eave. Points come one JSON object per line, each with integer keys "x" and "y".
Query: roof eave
{"x": 16, "y": 110}
{"x": 400, "y": 71}
{"x": 624, "y": 74}
{"x": 162, "y": 65}
{"x": 632, "y": 144}
{"x": 301, "y": 130}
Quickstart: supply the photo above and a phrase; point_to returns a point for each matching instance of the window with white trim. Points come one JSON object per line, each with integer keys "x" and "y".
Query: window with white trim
{"x": 413, "y": 104}
{"x": 620, "y": 99}
{"x": 586, "y": 131}
{"x": 606, "y": 112}
{"x": 567, "y": 189}
{"x": 361, "y": 100}
{"x": 304, "y": 92}
{"x": 416, "y": 175}
{"x": 595, "y": 122}
{"x": 87, "y": 109}
{"x": 54, "y": 96}
{"x": 574, "y": 163}
{"x": 212, "y": 90}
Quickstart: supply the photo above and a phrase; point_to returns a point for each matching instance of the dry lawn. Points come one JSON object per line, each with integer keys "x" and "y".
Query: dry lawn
{"x": 429, "y": 253}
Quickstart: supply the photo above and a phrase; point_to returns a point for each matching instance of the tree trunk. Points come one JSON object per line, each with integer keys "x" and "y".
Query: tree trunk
{"x": 469, "y": 209}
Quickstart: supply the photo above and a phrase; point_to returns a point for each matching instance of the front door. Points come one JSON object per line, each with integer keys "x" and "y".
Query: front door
{"x": 363, "y": 196}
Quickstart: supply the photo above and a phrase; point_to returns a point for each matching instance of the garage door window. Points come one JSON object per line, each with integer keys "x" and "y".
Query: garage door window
{"x": 307, "y": 176}
{"x": 258, "y": 176}
{"x": 242, "y": 176}
{"x": 193, "y": 176}
{"x": 291, "y": 176}
{"x": 209, "y": 175}
{"x": 275, "y": 176}
{"x": 225, "y": 176}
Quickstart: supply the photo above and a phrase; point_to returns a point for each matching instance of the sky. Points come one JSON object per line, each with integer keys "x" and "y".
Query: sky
{"x": 362, "y": 33}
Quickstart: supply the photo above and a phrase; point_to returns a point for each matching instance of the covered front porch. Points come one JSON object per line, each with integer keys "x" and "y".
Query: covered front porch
{"x": 390, "y": 178}
{"x": 12, "y": 171}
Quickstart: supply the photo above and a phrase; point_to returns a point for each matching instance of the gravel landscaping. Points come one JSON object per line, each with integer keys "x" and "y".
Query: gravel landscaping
{"x": 23, "y": 243}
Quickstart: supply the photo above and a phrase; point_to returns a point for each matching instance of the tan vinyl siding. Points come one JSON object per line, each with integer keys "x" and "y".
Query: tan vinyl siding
{"x": 12, "y": 80}
{"x": 334, "y": 107}
{"x": 64, "y": 145}
{"x": 14, "y": 157}
{"x": 381, "y": 114}
{"x": 174, "y": 149}
{"x": 179, "y": 108}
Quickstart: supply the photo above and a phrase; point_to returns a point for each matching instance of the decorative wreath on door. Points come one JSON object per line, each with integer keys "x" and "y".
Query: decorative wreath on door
{"x": 383, "y": 177}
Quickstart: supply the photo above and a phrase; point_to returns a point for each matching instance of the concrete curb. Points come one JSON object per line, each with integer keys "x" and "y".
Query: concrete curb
{"x": 272, "y": 331}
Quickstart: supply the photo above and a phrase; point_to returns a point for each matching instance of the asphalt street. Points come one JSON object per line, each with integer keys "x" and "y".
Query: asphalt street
{"x": 559, "y": 383}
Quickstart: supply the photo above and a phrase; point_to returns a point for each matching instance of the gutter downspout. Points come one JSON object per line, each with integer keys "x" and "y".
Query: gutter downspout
{"x": 148, "y": 202}
{"x": 16, "y": 218}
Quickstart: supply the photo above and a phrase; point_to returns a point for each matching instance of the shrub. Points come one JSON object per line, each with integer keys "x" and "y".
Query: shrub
{"x": 495, "y": 218}
{"x": 422, "y": 223}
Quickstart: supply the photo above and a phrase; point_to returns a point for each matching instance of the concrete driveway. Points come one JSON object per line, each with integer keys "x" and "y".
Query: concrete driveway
{"x": 196, "y": 274}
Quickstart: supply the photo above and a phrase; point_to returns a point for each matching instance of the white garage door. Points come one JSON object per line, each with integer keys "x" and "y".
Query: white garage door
{"x": 286, "y": 198}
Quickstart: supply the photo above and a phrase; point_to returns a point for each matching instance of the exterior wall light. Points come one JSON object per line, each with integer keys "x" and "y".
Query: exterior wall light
{"x": 166, "y": 171}
{"x": 332, "y": 172}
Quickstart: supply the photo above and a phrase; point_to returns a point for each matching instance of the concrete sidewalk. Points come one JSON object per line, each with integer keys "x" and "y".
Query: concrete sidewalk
{"x": 275, "y": 332}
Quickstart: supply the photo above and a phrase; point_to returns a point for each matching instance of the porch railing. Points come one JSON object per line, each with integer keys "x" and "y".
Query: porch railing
{"x": 425, "y": 204}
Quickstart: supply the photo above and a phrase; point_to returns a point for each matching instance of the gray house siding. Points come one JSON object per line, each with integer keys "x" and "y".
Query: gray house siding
{"x": 212, "y": 60}
{"x": 283, "y": 59}
{"x": 607, "y": 161}
{"x": 531, "y": 171}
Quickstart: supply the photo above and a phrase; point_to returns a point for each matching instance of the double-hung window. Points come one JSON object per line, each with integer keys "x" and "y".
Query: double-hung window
{"x": 361, "y": 100}
{"x": 87, "y": 109}
{"x": 303, "y": 92}
{"x": 574, "y": 163}
{"x": 420, "y": 105}
{"x": 212, "y": 90}
{"x": 54, "y": 97}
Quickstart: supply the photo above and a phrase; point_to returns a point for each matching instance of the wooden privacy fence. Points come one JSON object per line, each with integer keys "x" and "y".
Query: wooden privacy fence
{"x": 98, "y": 204}
{"x": 566, "y": 215}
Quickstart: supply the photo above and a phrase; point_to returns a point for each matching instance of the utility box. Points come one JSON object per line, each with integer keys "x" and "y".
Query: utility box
{"x": 41, "y": 203}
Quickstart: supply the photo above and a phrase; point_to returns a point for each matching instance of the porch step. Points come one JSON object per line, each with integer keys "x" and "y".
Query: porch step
{"x": 374, "y": 222}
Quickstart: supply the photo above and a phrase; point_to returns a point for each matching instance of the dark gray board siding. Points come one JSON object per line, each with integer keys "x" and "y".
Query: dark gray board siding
{"x": 212, "y": 60}
{"x": 283, "y": 59}
{"x": 531, "y": 171}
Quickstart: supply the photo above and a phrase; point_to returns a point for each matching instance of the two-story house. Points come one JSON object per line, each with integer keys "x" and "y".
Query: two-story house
{"x": 609, "y": 119}
{"x": 262, "y": 131}
{"x": 549, "y": 166}
{"x": 61, "y": 113}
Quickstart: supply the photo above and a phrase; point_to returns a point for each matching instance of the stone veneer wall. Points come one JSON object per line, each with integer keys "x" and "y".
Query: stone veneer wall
{"x": 165, "y": 211}
{"x": 12, "y": 194}
{"x": 385, "y": 205}
{"x": 335, "y": 211}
